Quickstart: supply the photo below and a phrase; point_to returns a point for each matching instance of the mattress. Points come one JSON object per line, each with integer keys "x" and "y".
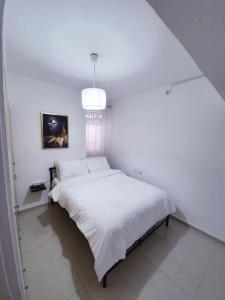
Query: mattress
{"x": 112, "y": 210}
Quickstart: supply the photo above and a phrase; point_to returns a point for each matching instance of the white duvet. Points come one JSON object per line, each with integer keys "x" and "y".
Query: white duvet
{"x": 112, "y": 210}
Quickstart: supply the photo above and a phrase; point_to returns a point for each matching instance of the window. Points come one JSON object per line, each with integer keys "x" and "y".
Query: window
{"x": 95, "y": 133}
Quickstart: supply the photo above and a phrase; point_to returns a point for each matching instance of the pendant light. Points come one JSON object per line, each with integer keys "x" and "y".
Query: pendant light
{"x": 93, "y": 98}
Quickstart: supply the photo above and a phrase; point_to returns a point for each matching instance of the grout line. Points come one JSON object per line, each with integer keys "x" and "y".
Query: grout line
{"x": 87, "y": 292}
{"x": 171, "y": 279}
{"x": 50, "y": 238}
{"x": 84, "y": 284}
{"x": 168, "y": 276}
{"x": 177, "y": 284}
{"x": 206, "y": 269}
{"x": 215, "y": 240}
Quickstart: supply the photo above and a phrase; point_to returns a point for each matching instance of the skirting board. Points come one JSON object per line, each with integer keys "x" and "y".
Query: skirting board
{"x": 32, "y": 205}
{"x": 199, "y": 230}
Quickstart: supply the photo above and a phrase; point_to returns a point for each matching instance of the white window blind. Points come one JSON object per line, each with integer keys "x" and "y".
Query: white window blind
{"x": 95, "y": 133}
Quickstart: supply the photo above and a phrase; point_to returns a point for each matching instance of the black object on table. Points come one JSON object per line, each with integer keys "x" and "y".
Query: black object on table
{"x": 37, "y": 187}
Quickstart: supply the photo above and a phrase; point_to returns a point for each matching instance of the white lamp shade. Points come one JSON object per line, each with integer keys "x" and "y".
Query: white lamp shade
{"x": 93, "y": 99}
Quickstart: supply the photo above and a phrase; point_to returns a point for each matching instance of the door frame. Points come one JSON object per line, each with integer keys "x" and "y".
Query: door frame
{"x": 11, "y": 277}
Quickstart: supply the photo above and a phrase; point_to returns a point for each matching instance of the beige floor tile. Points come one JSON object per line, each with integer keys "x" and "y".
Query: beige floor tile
{"x": 151, "y": 245}
{"x": 50, "y": 274}
{"x": 173, "y": 232}
{"x": 160, "y": 287}
{"x": 139, "y": 283}
{"x": 38, "y": 225}
{"x": 212, "y": 286}
{"x": 51, "y": 253}
{"x": 32, "y": 231}
{"x": 185, "y": 261}
{"x": 81, "y": 295}
{"x": 138, "y": 275}
{"x": 132, "y": 271}
{"x": 68, "y": 222}
{"x": 172, "y": 263}
{"x": 81, "y": 256}
{"x": 116, "y": 290}
{"x": 122, "y": 281}
{"x": 57, "y": 221}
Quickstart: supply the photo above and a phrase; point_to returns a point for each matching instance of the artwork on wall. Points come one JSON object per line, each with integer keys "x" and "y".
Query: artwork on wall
{"x": 54, "y": 131}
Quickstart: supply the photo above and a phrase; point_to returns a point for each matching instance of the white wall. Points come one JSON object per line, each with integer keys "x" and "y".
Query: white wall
{"x": 178, "y": 142}
{"x": 28, "y": 97}
{"x": 199, "y": 26}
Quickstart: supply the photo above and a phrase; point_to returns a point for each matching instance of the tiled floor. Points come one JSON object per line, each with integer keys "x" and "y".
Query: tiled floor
{"x": 175, "y": 263}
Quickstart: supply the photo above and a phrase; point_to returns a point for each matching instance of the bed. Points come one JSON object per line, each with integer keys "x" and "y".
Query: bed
{"x": 114, "y": 212}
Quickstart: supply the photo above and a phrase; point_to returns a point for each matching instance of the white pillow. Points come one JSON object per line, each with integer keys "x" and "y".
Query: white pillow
{"x": 67, "y": 169}
{"x": 97, "y": 164}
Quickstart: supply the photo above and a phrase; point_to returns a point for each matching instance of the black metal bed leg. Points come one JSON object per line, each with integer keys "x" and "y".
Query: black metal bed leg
{"x": 104, "y": 281}
{"x": 167, "y": 221}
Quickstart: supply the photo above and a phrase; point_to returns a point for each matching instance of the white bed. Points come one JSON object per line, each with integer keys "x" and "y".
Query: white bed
{"x": 112, "y": 210}
{"x": 55, "y": 182}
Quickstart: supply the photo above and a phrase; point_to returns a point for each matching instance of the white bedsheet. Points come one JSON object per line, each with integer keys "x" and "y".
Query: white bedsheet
{"x": 112, "y": 210}
{"x": 55, "y": 182}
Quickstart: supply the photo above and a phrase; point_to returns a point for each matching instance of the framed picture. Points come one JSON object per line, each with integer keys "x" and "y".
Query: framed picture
{"x": 54, "y": 131}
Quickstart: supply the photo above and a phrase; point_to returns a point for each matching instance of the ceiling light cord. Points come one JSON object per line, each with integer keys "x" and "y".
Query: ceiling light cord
{"x": 94, "y": 58}
{"x": 93, "y": 98}
{"x": 94, "y": 75}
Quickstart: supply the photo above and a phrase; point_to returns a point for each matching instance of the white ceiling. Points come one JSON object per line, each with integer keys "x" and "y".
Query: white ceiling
{"x": 51, "y": 40}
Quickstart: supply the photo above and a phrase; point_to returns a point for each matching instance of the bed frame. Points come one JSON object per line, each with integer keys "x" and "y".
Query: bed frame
{"x": 53, "y": 174}
{"x": 137, "y": 243}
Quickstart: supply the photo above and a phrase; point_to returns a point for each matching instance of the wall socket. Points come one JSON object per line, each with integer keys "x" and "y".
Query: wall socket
{"x": 139, "y": 172}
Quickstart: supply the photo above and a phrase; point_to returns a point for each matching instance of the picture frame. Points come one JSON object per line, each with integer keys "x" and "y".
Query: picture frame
{"x": 54, "y": 131}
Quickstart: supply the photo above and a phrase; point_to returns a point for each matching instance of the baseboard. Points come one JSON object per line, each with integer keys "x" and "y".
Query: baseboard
{"x": 196, "y": 228}
{"x": 32, "y": 205}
